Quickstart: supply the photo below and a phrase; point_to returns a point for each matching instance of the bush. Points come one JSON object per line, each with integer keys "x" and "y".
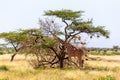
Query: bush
{"x": 115, "y": 53}
{"x": 4, "y": 68}
{"x": 1, "y": 53}
{"x": 108, "y": 77}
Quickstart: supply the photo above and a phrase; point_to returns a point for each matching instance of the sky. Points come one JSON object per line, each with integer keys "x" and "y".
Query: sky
{"x": 24, "y": 14}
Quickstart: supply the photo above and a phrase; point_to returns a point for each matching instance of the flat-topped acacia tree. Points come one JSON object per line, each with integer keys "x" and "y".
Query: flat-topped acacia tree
{"x": 12, "y": 38}
{"x": 74, "y": 26}
{"x": 20, "y": 40}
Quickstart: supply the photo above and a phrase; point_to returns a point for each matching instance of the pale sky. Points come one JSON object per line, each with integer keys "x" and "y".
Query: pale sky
{"x": 24, "y": 14}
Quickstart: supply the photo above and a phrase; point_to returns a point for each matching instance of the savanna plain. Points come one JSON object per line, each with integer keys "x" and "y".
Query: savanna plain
{"x": 102, "y": 68}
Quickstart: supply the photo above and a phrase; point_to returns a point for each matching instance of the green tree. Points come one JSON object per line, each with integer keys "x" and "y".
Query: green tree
{"x": 115, "y": 48}
{"x": 32, "y": 41}
{"x": 19, "y": 39}
{"x": 42, "y": 48}
{"x": 74, "y": 26}
{"x": 12, "y": 38}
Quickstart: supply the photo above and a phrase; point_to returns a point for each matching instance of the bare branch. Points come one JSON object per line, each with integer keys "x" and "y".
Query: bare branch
{"x": 48, "y": 26}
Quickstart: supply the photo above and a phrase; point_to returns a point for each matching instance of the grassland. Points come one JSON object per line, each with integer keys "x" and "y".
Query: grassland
{"x": 103, "y": 68}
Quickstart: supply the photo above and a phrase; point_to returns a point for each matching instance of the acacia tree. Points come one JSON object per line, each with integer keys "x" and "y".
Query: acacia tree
{"x": 20, "y": 39}
{"x": 115, "y": 48}
{"x": 74, "y": 26}
{"x": 12, "y": 38}
{"x": 41, "y": 48}
{"x": 33, "y": 42}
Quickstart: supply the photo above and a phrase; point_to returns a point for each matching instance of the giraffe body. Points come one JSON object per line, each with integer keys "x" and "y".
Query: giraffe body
{"x": 71, "y": 50}
{"x": 75, "y": 52}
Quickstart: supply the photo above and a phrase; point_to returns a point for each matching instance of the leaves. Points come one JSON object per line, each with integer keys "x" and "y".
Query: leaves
{"x": 11, "y": 36}
{"x": 34, "y": 32}
{"x": 75, "y": 25}
{"x": 48, "y": 42}
{"x": 85, "y": 27}
{"x": 64, "y": 14}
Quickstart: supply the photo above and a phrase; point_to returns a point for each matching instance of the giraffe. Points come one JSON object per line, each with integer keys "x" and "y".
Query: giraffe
{"x": 71, "y": 50}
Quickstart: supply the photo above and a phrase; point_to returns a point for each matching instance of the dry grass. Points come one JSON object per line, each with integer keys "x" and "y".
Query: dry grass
{"x": 20, "y": 69}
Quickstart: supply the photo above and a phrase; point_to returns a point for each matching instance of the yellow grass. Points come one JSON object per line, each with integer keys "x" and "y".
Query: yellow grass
{"x": 20, "y": 69}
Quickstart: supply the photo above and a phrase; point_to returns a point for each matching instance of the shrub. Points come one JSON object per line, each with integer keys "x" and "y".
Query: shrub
{"x": 1, "y": 53}
{"x": 108, "y": 77}
{"x": 115, "y": 53}
{"x": 4, "y": 68}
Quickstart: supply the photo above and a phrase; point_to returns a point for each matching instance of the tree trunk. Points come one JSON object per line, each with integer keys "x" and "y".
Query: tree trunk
{"x": 61, "y": 63}
{"x": 12, "y": 57}
{"x": 61, "y": 59}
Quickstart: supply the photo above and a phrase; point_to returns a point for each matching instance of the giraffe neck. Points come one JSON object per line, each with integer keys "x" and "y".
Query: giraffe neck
{"x": 58, "y": 39}
{"x": 63, "y": 42}
{"x": 70, "y": 46}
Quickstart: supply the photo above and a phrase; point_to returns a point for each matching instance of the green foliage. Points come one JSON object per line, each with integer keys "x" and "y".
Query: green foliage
{"x": 108, "y": 77}
{"x": 115, "y": 47}
{"x": 3, "y": 68}
{"x": 59, "y": 33}
{"x": 77, "y": 24}
{"x": 64, "y": 14}
{"x": 48, "y": 42}
{"x": 12, "y": 37}
{"x": 18, "y": 36}
{"x": 34, "y": 32}
{"x": 1, "y": 53}
{"x": 115, "y": 53}
{"x": 87, "y": 27}
{"x": 105, "y": 52}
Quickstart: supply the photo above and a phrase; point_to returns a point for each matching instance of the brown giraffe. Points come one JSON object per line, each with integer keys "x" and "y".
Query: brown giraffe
{"x": 71, "y": 50}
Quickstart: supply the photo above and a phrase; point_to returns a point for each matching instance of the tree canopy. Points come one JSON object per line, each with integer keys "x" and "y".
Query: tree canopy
{"x": 64, "y": 14}
{"x": 75, "y": 24}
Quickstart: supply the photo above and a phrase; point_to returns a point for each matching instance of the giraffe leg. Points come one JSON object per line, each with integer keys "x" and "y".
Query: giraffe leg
{"x": 69, "y": 61}
{"x": 81, "y": 62}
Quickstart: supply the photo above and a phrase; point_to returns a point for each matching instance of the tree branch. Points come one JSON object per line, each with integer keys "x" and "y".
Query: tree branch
{"x": 65, "y": 29}
{"x": 15, "y": 47}
{"x": 54, "y": 51}
{"x": 72, "y": 36}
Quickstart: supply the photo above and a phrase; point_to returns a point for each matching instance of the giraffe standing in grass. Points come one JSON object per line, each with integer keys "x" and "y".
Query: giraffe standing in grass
{"x": 71, "y": 50}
